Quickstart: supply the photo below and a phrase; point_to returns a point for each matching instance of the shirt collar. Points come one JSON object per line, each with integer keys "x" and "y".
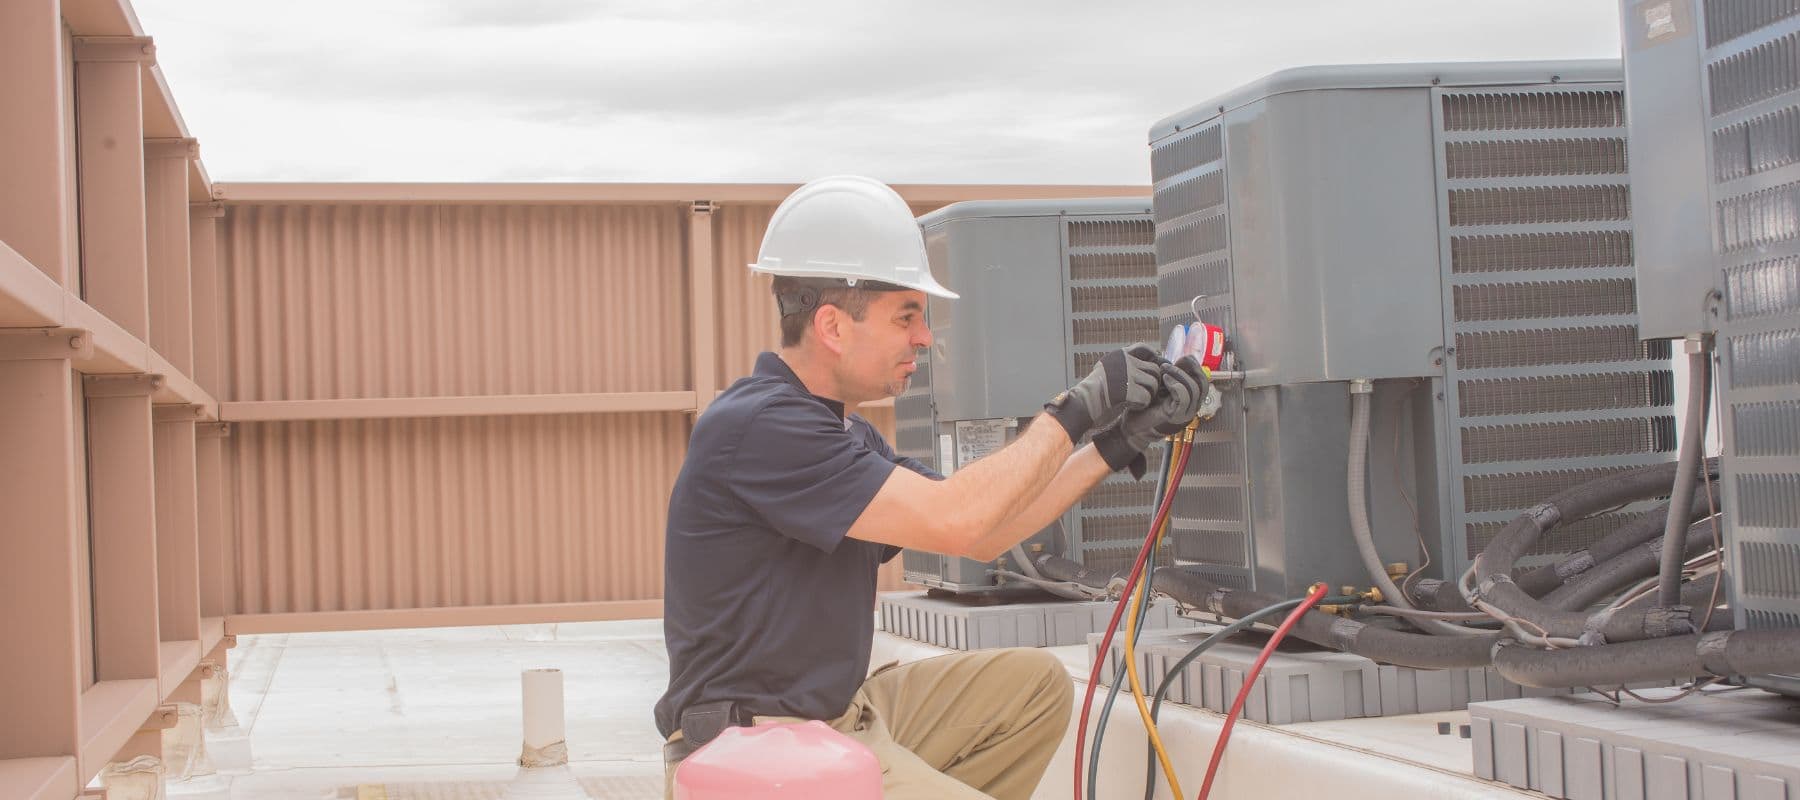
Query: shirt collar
{"x": 770, "y": 365}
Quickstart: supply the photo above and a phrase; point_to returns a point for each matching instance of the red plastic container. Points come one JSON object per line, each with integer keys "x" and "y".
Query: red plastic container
{"x": 786, "y": 761}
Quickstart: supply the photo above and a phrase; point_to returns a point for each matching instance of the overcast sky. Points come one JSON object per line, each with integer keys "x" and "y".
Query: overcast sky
{"x": 674, "y": 90}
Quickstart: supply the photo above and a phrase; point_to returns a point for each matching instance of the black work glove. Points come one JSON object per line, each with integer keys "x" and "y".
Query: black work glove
{"x": 1183, "y": 387}
{"x": 1124, "y": 379}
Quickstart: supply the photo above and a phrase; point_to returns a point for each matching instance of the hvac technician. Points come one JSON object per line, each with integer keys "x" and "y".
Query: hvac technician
{"x": 787, "y": 504}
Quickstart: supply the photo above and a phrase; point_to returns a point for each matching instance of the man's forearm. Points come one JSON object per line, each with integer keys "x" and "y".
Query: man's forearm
{"x": 1000, "y": 486}
{"x": 1078, "y": 475}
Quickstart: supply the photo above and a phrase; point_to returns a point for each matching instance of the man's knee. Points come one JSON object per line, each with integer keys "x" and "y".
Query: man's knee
{"x": 1038, "y": 667}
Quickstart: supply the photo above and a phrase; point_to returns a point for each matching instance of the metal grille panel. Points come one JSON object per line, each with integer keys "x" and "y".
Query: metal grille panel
{"x": 1770, "y": 358}
{"x": 1085, "y": 299}
{"x": 1763, "y": 289}
{"x": 1506, "y": 323}
{"x": 1220, "y": 547}
{"x": 1570, "y": 538}
{"x": 1120, "y": 495}
{"x": 1210, "y": 279}
{"x": 1545, "y": 299}
{"x": 1755, "y": 146}
{"x": 1729, "y": 19}
{"x": 1521, "y": 158}
{"x": 1484, "y": 350}
{"x": 1767, "y": 429}
{"x": 1112, "y": 233}
{"x": 1769, "y": 500}
{"x": 1114, "y": 528}
{"x": 1195, "y": 238}
{"x": 1123, "y": 265}
{"x": 1551, "y": 440}
{"x": 1187, "y": 152}
{"x": 1115, "y": 331}
{"x": 1195, "y": 194}
{"x": 1771, "y": 569}
{"x": 1538, "y": 205}
{"x": 1565, "y": 393}
{"x": 1533, "y": 110}
{"x": 1519, "y": 490}
{"x": 1759, "y": 219}
{"x": 1506, "y": 253}
{"x": 1768, "y": 70}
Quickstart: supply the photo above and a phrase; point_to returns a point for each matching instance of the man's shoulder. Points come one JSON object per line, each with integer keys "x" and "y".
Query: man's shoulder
{"x": 759, "y": 400}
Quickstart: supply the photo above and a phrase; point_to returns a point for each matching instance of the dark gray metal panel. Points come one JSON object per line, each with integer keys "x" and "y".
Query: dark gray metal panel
{"x": 1752, "y": 95}
{"x": 1333, "y": 235}
{"x": 996, "y": 353}
{"x": 1669, "y": 169}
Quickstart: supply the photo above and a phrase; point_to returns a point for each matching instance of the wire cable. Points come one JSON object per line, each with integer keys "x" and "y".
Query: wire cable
{"x": 1237, "y": 706}
{"x": 1137, "y": 573}
{"x": 1112, "y": 692}
{"x": 1133, "y": 621}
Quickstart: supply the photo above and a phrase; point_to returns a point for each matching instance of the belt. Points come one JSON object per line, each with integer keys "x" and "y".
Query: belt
{"x": 703, "y": 723}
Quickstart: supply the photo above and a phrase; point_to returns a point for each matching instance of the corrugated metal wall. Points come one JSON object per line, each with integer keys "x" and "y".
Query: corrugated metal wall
{"x": 363, "y": 301}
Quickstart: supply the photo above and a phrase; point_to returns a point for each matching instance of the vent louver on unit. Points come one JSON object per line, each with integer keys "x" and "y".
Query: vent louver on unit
{"x": 1566, "y": 345}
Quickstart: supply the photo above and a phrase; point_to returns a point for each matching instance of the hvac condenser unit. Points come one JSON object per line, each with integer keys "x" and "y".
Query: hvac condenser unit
{"x": 1715, "y": 104}
{"x": 1458, "y": 234}
{"x": 1047, "y": 286}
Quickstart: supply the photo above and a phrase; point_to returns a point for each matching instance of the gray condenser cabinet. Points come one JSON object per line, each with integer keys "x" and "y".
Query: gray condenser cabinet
{"x": 1715, "y": 91}
{"x": 1458, "y": 234}
{"x": 1047, "y": 286}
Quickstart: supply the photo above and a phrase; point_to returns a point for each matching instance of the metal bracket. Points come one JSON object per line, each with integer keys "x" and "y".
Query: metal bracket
{"x": 230, "y": 641}
{"x": 703, "y": 207}
{"x": 39, "y": 344}
{"x": 178, "y": 412}
{"x": 121, "y": 385}
{"x": 213, "y": 430}
{"x": 115, "y": 49}
{"x": 184, "y": 149}
{"x": 163, "y": 718}
{"x": 211, "y": 209}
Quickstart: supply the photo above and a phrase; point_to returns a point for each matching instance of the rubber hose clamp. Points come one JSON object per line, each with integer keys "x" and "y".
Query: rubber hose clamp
{"x": 1591, "y": 634}
{"x": 1215, "y": 602}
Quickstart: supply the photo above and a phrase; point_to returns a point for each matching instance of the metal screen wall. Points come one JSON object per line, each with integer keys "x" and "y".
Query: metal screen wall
{"x": 1208, "y": 523}
{"x": 1752, "y": 80}
{"x": 1547, "y": 383}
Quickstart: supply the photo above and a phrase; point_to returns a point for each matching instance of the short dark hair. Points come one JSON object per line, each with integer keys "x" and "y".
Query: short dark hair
{"x": 854, "y": 300}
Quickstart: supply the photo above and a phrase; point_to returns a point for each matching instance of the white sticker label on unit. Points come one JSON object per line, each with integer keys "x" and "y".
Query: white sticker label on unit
{"x": 978, "y": 437}
{"x": 1659, "y": 21}
{"x": 946, "y": 454}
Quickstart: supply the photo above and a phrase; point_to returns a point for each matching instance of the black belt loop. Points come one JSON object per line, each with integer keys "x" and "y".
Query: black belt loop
{"x": 703, "y": 723}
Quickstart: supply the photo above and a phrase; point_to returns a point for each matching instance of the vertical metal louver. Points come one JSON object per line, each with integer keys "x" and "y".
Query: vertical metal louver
{"x": 1109, "y": 269}
{"x": 1208, "y": 524}
{"x": 915, "y": 436}
{"x": 1753, "y": 83}
{"x": 1546, "y": 379}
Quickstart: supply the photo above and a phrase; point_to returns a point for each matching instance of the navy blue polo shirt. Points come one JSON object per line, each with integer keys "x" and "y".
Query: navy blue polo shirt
{"x": 765, "y": 600}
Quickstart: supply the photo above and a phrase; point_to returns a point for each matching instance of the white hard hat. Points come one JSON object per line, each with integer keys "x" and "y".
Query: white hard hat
{"x": 848, "y": 228}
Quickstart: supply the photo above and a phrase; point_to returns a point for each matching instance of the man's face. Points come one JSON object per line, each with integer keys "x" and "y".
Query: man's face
{"x": 880, "y": 352}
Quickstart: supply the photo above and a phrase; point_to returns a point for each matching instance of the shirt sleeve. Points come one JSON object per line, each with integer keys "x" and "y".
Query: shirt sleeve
{"x": 805, "y": 475}
{"x": 875, "y": 442}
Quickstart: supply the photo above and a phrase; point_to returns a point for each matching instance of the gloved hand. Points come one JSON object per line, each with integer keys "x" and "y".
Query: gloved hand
{"x": 1124, "y": 379}
{"x": 1183, "y": 388}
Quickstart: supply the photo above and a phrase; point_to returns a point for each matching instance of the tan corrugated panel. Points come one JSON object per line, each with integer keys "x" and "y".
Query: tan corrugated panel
{"x": 747, "y": 321}
{"x": 383, "y": 514}
{"x": 348, "y": 301}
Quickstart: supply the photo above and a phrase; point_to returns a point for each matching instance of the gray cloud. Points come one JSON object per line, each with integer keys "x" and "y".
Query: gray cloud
{"x": 1059, "y": 90}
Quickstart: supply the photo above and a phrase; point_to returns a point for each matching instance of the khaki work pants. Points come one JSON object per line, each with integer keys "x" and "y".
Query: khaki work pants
{"x": 965, "y": 725}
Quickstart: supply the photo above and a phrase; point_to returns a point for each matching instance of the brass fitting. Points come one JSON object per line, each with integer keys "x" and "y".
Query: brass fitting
{"x": 1398, "y": 570}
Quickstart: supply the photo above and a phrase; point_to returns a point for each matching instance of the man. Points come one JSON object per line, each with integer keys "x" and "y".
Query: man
{"x": 788, "y": 504}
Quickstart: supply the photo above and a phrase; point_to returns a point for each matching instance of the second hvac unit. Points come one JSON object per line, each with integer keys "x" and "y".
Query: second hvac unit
{"x": 1047, "y": 286}
{"x": 1715, "y": 96}
{"x": 1459, "y": 234}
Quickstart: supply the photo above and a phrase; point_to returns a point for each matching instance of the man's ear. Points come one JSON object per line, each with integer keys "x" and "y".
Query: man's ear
{"x": 828, "y": 325}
